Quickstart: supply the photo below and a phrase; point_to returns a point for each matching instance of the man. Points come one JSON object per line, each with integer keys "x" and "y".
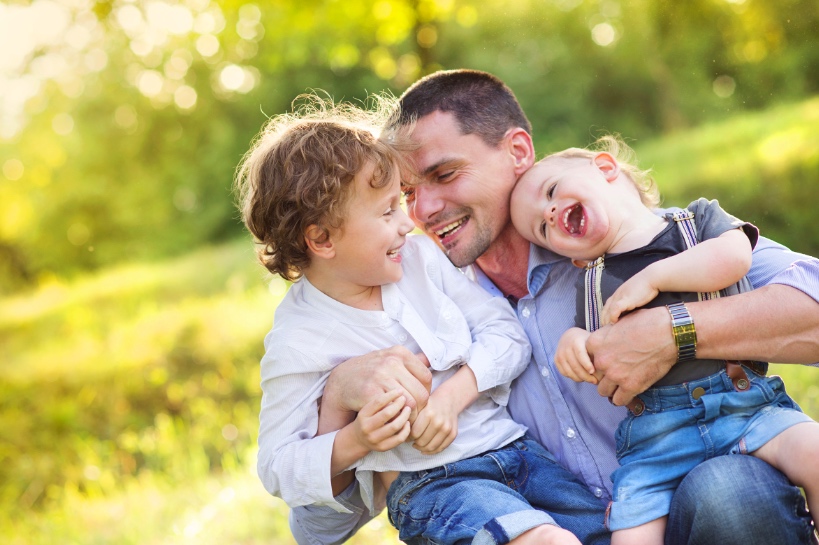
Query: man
{"x": 473, "y": 144}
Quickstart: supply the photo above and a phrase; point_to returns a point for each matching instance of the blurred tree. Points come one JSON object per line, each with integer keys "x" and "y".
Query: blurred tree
{"x": 137, "y": 111}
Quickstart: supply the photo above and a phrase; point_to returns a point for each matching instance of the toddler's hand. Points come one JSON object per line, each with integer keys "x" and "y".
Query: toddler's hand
{"x": 436, "y": 426}
{"x": 383, "y": 423}
{"x": 633, "y": 293}
{"x": 571, "y": 357}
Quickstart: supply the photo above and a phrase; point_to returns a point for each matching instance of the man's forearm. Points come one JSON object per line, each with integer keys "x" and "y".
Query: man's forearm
{"x": 775, "y": 323}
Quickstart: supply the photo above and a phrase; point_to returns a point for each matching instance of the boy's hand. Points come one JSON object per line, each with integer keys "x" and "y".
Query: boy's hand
{"x": 436, "y": 425}
{"x": 634, "y": 293}
{"x": 571, "y": 357}
{"x": 383, "y": 423}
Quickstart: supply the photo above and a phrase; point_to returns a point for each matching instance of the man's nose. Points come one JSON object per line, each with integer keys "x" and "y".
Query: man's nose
{"x": 426, "y": 204}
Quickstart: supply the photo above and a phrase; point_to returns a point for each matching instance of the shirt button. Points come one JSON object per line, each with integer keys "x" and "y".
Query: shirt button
{"x": 570, "y": 433}
{"x": 525, "y": 312}
{"x": 598, "y": 493}
{"x": 402, "y": 337}
{"x": 544, "y": 372}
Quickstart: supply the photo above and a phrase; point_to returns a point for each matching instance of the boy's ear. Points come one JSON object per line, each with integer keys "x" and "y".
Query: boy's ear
{"x": 521, "y": 148}
{"x": 607, "y": 164}
{"x": 319, "y": 242}
{"x": 579, "y": 263}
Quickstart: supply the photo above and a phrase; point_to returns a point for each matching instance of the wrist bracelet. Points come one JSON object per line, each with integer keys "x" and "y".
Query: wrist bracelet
{"x": 685, "y": 334}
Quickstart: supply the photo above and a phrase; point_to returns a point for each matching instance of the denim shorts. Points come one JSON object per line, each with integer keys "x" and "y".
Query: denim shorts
{"x": 676, "y": 432}
{"x": 493, "y": 498}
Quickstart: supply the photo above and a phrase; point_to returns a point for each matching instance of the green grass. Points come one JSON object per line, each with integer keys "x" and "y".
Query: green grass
{"x": 129, "y": 397}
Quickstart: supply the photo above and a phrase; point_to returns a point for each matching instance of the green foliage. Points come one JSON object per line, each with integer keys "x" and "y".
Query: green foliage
{"x": 762, "y": 167}
{"x": 130, "y": 151}
{"x": 129, "y": 406}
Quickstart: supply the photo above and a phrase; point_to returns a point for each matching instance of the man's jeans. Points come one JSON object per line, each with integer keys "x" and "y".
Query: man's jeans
{"x": 738, "y": 500}
{"x": 494, "y": 497}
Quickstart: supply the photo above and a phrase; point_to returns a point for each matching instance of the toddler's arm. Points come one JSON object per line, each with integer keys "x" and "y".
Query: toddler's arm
{"x": 437, "y": 424}
{"x": 571, "y": 357}
{"x": 711, "y": 265}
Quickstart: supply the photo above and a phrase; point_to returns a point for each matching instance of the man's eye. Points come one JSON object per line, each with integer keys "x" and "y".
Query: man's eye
{"x": 444, "y": 176}
{"x": 408, "y": 193}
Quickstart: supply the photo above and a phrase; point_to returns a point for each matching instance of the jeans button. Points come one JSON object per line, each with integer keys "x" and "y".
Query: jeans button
{"x": 742, "y": 384}
{"x": 698, "y": 392}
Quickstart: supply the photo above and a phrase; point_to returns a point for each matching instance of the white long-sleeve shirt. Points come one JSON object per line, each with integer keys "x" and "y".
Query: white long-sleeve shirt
{"x": 433, "y": 309}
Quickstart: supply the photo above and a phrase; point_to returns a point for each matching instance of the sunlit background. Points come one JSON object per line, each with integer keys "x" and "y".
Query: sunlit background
{"x": 131, "y": 309}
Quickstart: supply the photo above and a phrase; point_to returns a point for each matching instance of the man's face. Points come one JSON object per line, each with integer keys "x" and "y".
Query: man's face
{"x": 462, "y": 201}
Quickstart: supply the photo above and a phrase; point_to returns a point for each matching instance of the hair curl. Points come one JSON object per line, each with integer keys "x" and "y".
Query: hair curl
{"x": 299, "y": 172}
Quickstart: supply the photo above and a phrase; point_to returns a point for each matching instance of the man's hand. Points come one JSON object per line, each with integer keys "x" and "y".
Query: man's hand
{"x": 355, "y": 382}
{"x": 632, "y": 354}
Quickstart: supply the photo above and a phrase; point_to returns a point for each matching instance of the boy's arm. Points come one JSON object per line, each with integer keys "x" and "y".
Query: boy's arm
{"x": 500, "y": 349}
{"x": 437, "y": 424}
{"x": 711, "y": 265}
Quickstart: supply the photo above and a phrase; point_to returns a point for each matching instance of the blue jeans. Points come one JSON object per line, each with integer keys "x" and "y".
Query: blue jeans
{"x": 738, "y": 500}
{"x": 684, "y": 425}
{"x": 492, "y": 498}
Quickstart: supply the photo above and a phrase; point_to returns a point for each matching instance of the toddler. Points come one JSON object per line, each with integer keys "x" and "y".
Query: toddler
{"x": 595, "y": 207}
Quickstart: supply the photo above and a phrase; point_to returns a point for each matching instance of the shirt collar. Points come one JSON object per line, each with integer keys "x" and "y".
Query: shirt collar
{"x": 540, "y": 263}
{"x": 390, "y": 297}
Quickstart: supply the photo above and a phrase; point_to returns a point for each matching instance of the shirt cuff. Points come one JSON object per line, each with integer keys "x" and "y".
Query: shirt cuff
{"x": 802, "y": 275}
{"x": 322, "y": 525}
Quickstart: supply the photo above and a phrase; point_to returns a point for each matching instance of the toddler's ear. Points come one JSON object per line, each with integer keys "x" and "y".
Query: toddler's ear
{"x": 608, "y": 165}
{"x": 580, "y": 264}
{"x": 319, "y": 242}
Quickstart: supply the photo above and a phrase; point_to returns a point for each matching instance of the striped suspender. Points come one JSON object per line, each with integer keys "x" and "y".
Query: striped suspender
{"x": 594, "y": 272}
{"x": 685, "y": 221}
{"x": 594, "y": 297}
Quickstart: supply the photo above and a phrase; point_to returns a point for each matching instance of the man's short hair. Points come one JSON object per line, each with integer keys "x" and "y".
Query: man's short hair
{"x": 300, "y": 170}
{"x": 480, "y": 102}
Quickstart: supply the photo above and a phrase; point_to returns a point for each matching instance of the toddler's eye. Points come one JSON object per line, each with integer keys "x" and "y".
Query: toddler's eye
{"x": 551, "y": 190}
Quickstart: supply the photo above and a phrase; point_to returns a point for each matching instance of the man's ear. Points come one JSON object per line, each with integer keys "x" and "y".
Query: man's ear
{"x": 608, "y": 165}
{"x": 521, "y": 148}
{"x": 319, "y": 242}
{"x": 579, "y": 263}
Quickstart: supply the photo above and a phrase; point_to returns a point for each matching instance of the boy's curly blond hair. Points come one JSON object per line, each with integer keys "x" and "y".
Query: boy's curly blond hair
{"x": 627, "y": 160}
{"x": 299, "y": 172}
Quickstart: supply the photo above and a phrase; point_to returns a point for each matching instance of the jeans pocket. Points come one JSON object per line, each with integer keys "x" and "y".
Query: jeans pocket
{"x": 622, "y": 436}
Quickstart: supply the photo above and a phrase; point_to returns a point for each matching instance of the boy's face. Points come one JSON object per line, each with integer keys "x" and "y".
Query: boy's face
{"x": 569, "y": 206}
{"x": 374, "y": 227}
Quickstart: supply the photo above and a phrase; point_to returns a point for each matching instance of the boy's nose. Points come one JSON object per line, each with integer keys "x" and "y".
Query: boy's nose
{"x": 405, "y": 225}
